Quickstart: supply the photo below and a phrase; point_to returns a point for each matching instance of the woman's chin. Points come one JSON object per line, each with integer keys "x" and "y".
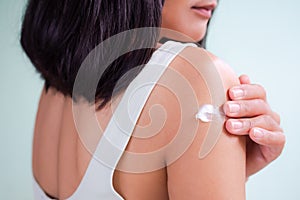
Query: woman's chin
{"x": 183, "y": 35}
{"x": 191, "y": 37}
{"x": 197, "y": 35}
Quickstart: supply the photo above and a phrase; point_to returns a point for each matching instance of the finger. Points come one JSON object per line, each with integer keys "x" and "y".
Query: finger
{"x": 268, "y": 138}
{"x": 244, "y": 79}
{"x": 243, "y": 126}
{"x": 247, "y": 92}
{"x": 246, "y": 108}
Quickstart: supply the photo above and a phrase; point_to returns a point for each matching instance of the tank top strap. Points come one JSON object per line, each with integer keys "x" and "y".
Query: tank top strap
{"x": 123, "y": 121}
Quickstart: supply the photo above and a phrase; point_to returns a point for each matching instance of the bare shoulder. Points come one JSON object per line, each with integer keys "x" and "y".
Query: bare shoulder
{"x": 228, "y": 75}
{"x": 208, "y": 64}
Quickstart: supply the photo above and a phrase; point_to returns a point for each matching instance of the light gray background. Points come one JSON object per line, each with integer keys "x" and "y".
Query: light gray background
{"x": 259, "y": 38}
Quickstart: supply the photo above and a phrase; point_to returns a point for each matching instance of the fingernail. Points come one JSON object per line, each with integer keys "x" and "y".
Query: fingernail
{"x": 258, "y": 133}
{"x": 237, "y": 93}
{"x": 236, "y": 125}
{"x": 234, "y": 108}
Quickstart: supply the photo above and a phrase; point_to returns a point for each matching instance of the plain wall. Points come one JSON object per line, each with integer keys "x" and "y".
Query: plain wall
{"x": 261, "y": 39}
{"x": 258, "y": 38}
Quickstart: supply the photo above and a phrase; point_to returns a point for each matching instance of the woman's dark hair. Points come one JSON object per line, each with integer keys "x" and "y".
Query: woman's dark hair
{"x": 57, "y": 35}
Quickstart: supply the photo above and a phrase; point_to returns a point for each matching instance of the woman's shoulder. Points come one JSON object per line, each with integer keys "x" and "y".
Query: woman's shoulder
{"x": 206, "y": 63}
{"x": 193, "y": 78}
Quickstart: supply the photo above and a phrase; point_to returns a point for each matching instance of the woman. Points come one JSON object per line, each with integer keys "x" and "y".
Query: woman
{"x": 58, "y": 35}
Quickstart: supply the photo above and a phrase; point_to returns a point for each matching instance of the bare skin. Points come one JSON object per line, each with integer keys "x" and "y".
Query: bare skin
{"x": 60, "y": 159}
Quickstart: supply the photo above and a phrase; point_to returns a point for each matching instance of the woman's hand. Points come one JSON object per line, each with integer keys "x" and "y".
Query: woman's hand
{"x": 249, "y": 114}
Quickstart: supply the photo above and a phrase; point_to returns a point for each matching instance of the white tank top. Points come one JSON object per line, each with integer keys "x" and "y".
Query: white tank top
{"x": 97, "y": 182}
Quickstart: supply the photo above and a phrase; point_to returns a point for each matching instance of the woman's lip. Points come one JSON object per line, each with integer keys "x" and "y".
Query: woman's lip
{"x": 202, "y": 11}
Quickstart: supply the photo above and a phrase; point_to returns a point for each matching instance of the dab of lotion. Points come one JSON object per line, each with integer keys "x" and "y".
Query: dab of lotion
{"x": 208, "y": 112}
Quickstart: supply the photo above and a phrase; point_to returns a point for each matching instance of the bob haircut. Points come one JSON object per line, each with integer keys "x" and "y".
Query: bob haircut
{"x": 57, "y": 35}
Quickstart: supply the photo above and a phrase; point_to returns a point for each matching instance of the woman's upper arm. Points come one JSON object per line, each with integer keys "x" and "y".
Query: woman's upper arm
{"x": 221, "y": 173}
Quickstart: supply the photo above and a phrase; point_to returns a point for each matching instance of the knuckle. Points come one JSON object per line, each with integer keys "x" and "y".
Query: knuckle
{"x": 277, "y": 117}
{"x": 268, "y": 107}
{"x": 283, "y": 140}
{"x": 264, "y": 106}
{"x": 268, "y": 119}
{"x": 262, "y": 90}
{"x": 260, "y": 102}
{"x": 253, "y": 122}
{"x": 277, "y": 139}
{"x": 269, "y": 122}
{"x": 249, "y": 123}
